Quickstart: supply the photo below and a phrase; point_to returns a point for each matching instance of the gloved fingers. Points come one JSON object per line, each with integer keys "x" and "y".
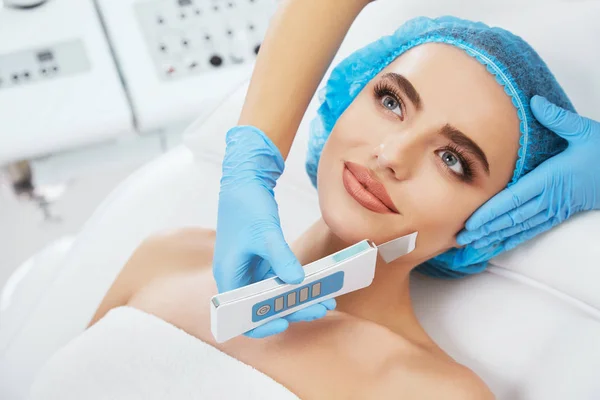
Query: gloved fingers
{"x": 310, "y": 313}
{"x": 270, "y": 328}
{"x": 529, "y": 234}
{"x": 528, "y": 187}
{"x": 279, "y": 325}
{"x": 506, "y": 233}
{"x": 279, "y": 255}
{"x": 510, "y": 219}
{"x": 466, "y": 255}
{"x": 562, "y": 122}
{"x": 329, "y": 304}
{"x": 232, "y": 272}
{"x": 494, "y": 248}
{"x": 262, "y": 271}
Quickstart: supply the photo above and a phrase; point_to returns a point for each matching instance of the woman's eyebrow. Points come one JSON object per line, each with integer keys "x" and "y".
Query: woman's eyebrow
{"x": 404, "y": 84}
{"x": 462, "y": 140}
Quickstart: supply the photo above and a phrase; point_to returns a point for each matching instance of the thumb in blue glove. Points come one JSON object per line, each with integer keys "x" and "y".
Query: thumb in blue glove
{"x": 250, "y": 245}
{"x": 558, "y": 188}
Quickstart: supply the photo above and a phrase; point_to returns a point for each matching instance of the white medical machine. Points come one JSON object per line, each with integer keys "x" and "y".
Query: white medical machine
{"x": 237, "y": 311}
{"x": 529, "y": 325}
{"x": 179, "y": 56}
{"x": 79, "y": 72}
{"x": 59, "y": 87}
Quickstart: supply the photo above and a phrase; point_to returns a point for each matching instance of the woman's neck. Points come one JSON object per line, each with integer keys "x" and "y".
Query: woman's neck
{"x": 385, "y": 302}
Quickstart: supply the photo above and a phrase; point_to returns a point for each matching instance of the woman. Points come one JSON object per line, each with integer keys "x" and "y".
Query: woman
{"x": 296, "y": 58}
{"x": 427, "y": 136}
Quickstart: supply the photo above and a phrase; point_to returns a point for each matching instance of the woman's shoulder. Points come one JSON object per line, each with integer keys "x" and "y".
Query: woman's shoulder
{"x": 187, "y": 244}
{"x": 391, "y": 366}
{"x": 157, "y": 258}
{"x": 170, "y": 252}
{"x": 380, "y": 364}
{"x": 423, "y": 374}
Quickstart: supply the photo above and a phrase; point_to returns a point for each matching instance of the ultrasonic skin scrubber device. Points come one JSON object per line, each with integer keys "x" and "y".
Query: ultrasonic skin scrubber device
{"x": 238, "y": 311}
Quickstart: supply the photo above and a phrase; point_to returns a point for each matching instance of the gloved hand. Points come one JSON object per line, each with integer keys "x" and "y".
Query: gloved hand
{"x": 558, "y": 188}
{"x": 250, "y": 245}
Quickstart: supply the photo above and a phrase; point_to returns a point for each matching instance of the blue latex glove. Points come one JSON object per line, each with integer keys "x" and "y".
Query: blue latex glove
{"x": 250, "y": 245}
{"x": 558, "y": 188}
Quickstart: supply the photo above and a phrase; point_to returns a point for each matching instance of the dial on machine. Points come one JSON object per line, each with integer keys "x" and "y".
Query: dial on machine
{"x": 189, "y": 37}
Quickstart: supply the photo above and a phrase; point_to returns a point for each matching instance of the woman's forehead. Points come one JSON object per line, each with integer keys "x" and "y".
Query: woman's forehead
{"x": 455, "y": 88}
{"x": 441, "y": 70}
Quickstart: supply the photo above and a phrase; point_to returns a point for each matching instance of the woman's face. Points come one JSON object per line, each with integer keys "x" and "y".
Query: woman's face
{"x": 437, "y": 133}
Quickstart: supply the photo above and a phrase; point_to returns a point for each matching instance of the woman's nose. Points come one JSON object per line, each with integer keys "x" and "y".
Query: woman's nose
{"x": 396, "y": 157}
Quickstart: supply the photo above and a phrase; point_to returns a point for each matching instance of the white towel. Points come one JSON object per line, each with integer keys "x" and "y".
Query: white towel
{"x": 131, "y": 355}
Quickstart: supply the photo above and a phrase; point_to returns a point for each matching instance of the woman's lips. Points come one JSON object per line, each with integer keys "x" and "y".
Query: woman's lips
{"x": 367, "y": 190}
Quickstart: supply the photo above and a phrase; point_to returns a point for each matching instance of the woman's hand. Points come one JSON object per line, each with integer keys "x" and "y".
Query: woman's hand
{"x": 250, "y": 245}
{"x": 558, "y": 188}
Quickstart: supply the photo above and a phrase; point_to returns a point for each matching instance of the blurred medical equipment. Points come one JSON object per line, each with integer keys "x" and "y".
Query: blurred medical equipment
{"x": 528, "y": 326}
{"x": 78, "y": 72}
{"x": 111, "y": 71}
{"x": 178, "y": 55}
{"x": 20, "y": 176}
{"x": 237, "y": 311}
{"x": 59, "y": 87}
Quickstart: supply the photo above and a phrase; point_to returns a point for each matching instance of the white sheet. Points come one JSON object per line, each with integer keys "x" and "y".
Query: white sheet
{"x": 132, "y": 355}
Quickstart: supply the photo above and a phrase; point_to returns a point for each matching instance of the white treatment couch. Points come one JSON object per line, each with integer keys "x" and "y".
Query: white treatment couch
{"x": 529, "y": 326}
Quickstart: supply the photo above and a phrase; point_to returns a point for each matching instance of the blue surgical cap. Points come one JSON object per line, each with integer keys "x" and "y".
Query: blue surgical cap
{"x": 512, "y": 62}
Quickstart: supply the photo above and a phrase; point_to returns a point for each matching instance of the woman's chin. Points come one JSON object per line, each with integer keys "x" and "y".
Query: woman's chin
{"x": 343, "y": 226}
{"x": 351, "y": 227}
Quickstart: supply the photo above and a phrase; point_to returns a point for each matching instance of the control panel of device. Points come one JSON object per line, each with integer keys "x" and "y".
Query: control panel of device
{"x": 189, "y": 37}
{"x": 43, "y": 63}
{"x": 59, "y": 85}
{"x": 180, "y": 57}
{"x": 296, "y": 297}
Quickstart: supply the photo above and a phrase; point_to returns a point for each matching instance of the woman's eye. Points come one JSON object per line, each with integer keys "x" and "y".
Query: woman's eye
{"x": 392, "y": 104}
{"x": 452, "y": 161}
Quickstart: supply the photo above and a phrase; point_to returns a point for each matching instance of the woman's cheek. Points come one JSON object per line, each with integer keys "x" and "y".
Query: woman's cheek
{"x": 437, "y": 210}
{"x": 362, "y": 123}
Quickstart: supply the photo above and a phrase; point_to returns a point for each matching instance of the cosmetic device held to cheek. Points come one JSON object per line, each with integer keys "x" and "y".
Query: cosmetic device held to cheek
{"x": 238, "y": 311}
